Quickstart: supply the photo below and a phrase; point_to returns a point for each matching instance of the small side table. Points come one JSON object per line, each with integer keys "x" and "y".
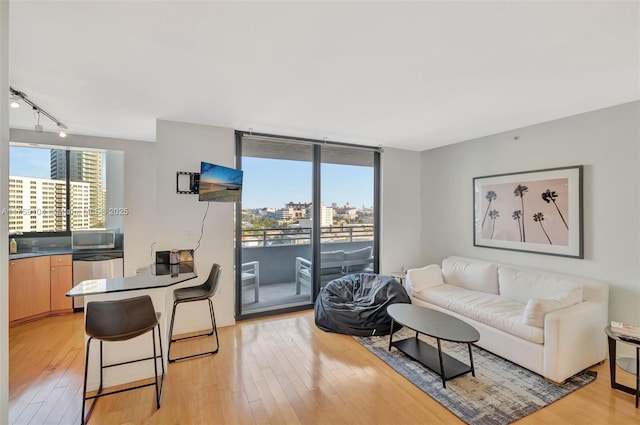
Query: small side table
{"x": 400, "y": 276}
{"x": 624, "y": 363}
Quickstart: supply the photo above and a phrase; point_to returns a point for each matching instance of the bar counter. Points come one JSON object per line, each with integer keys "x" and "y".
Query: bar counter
{"x": 158, "y": 282}
{"x": 155, "y": 276}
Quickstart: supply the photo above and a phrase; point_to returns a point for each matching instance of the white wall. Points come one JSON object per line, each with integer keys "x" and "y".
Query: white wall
{"x": 181, "y": 147}
{"x": 401, "y": 214}
{"x": 606, "y": 142}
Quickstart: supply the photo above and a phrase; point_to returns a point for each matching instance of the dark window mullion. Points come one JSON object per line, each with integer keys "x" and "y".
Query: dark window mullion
{"x": 238, "y": 268}
{"x": 68, "y": 186}
{"x": 376, "y": 211}
{"x": 315, "y": 222}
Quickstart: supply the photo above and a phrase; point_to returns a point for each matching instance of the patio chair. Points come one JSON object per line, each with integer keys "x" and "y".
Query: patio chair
{"x": 251, "y": 277}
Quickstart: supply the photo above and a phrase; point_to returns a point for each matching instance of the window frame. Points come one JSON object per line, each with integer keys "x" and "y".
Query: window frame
{"x": 67, "y": 180}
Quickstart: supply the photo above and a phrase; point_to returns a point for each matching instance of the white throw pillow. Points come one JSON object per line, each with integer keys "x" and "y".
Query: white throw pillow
{"x": 520, "y": 286}
{"x": 481, "y": 277}
{"x": 537, "y": 308}
{"x": 426, "y": 277}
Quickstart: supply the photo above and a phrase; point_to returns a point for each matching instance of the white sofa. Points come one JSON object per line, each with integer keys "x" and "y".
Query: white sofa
{"x": 549, "y": 323}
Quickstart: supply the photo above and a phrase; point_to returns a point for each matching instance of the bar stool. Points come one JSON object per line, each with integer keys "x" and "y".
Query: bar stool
{"x": 121, "y": 320}
{"x": 197, "y": 293}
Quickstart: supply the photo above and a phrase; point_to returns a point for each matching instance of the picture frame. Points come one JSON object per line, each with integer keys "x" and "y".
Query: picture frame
{"x": 538, "y": 211}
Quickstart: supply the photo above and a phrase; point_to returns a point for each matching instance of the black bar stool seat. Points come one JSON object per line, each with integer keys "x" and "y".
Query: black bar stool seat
{"x": 202, "y": 292}
{"x": 121, "y": 320}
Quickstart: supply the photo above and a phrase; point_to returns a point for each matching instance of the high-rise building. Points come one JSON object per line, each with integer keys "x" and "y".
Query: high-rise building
{"x": 84, "y": 167}
{"x": 326, "y": 216}
{"x": 38, "y": 205}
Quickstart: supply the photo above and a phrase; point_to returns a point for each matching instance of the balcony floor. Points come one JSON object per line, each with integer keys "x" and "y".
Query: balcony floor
{"x": 274, "y": 295}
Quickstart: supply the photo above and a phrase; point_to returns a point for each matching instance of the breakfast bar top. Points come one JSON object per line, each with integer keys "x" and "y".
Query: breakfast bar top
{"x": 156, "y": 276}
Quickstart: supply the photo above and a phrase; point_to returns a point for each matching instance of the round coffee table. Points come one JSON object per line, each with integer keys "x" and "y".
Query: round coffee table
{"x": 440, "y": 326}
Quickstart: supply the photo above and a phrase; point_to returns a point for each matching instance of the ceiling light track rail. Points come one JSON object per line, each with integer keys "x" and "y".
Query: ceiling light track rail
{"x": 18, "y": 94}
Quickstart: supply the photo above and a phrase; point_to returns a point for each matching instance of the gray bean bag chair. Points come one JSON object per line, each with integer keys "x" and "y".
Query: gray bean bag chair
{"x": 356, "y": 304}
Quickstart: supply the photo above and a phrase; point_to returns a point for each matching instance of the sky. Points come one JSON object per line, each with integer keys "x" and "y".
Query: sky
{"x": 30, "y": 162}
{"x": 273, "y": 183}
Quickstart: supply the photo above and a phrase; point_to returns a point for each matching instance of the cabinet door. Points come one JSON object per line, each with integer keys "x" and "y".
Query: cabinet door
{"x": 29, "y": 288}
{"x": 60, "y": 285}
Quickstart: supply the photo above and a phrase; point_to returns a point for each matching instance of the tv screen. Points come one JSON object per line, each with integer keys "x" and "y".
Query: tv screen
{"x": 218, "y": 183}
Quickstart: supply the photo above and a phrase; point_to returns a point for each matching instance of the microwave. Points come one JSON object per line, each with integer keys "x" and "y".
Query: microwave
{"x": 93, "y": 239}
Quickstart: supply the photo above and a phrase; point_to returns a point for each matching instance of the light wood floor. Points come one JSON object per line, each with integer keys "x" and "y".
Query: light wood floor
{"x": 280, "y": 370}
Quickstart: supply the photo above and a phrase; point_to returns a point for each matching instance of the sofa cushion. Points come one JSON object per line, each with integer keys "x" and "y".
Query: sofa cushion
{"x": 481, "y": 277}
{"x": 489, "y": 309}
{"x": 520, "y": 286}
{"x": 425, "y": 277}
{"x": 537, "y": 308}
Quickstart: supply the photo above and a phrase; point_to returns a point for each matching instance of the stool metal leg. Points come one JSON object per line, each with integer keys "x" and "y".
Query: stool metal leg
{"x": 155, "y": 368}
{"x": 214, "y": 330}
{"x": 214, "y": 326}
{"x": 162, "y": 364}
{"x": 158, "y": 386}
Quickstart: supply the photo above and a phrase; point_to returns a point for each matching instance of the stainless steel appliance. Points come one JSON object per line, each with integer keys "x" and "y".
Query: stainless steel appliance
{"x": 95, "y": 265}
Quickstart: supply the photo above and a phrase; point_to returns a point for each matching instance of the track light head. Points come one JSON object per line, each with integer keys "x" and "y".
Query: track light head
{"x": 38, "y": 128}
{"x": 14, "y": 101}
{"x": 62, "y": 131}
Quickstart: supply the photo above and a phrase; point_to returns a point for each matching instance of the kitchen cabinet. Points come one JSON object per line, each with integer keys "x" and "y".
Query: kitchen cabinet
{"x": 37, "y": 287}
{"x": 61, "y": 280}
{"x": 29, "y": 287}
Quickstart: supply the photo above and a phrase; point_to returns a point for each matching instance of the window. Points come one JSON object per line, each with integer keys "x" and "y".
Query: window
{"x": 59, "y": 198}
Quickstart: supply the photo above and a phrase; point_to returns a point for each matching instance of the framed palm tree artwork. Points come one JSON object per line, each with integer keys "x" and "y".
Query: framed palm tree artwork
{"x": 537, "y": 211}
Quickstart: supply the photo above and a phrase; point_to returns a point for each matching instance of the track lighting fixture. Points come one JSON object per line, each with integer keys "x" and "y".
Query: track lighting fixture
{"x": 38, "y": 127}
{"x": 14, "y": 102}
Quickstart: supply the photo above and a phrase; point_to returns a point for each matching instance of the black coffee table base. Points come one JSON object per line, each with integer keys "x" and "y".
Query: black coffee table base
{"x": 433, "y": 358}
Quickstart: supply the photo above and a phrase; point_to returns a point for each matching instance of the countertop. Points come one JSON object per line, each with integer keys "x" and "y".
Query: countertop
{"x": 43, "y": 253}
{"x": 32, "y": 254}
{"x": 156, "y": 276}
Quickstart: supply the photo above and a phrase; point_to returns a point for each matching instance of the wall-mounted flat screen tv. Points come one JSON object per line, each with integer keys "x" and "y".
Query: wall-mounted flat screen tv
{"x": 220, "y": 184}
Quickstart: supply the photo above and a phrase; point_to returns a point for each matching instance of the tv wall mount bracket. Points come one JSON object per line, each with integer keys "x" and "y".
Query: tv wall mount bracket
{"x": 187, "y": 183}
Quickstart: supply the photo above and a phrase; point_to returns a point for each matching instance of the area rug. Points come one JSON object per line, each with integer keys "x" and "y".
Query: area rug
{"x": 500, "y": 393}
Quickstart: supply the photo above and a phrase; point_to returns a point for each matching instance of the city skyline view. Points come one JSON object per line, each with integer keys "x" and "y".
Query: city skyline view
{"x": 267, "y": 183}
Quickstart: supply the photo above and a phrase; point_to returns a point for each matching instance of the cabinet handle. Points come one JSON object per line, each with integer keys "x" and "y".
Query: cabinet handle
{"x": 53, "y": 269}
{"x": 11, "y": 263}
{"x": 59, "y": 259}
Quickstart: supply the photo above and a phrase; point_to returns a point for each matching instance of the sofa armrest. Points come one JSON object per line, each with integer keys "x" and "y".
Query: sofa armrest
{"x": 426, "y": 277}
{"x": 574, "y": 339}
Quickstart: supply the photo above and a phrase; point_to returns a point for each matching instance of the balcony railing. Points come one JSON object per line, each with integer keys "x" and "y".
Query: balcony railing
{"x": 302, "y": 236}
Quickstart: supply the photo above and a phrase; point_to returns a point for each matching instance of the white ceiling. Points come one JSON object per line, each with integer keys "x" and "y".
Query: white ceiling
{"x": 410, "y": 75}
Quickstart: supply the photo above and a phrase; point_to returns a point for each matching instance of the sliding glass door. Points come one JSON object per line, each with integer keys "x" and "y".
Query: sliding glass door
{"x": 287, "y": 184}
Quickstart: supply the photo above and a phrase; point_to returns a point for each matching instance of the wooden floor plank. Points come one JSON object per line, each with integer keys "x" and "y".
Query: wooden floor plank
{"x": 279, "y": 370}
